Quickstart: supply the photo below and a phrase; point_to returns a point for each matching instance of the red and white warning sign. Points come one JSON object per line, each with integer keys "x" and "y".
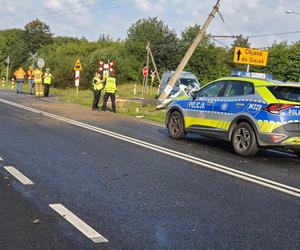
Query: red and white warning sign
{"x": 77, "y": 78}
{"x": 145, "y": 71}
{"x": 107, "y": 68}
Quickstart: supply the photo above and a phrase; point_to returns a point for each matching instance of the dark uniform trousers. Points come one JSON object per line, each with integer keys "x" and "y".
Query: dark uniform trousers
{"x": 113, "y": 101}
{"x": 97, "y": 94}
{"x": 46, "y": 89}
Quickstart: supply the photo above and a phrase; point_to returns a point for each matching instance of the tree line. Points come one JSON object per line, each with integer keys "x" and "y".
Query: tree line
{"x": 209, "y": 61}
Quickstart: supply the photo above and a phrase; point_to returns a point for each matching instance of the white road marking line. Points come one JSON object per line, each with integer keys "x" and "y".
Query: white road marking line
{"x": 155, "y": 124}
{"x": 176, "y": 154}
{"x": 78, "y": 223}
{"x": 18, "y": 175}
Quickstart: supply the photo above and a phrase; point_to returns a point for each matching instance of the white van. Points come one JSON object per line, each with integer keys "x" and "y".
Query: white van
{"x": 186, "y": 78}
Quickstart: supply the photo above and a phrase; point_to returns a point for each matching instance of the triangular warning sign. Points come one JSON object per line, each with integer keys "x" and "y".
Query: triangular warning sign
{"x": 78, "y": 65}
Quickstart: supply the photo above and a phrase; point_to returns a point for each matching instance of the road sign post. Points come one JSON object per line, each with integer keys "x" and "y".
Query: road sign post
{"x": 77, "y": 69}
{"x": 250, "y": 56}
{"x": 153, "y": 74}
{"x": 145, "y": 74}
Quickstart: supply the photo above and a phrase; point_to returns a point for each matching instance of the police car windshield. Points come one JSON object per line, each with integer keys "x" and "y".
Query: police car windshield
{"x": 286, "y": 93}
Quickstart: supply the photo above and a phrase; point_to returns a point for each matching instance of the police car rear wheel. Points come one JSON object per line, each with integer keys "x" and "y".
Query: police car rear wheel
{"x": 244, "y": 140}
{"x": 175, "y": 126}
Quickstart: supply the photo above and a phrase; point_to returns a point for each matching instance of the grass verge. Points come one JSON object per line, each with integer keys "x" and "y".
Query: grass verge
{"x": 124, "y": 105}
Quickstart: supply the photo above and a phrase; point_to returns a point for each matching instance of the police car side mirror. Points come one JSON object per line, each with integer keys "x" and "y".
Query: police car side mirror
{"x": 193, "y": 94}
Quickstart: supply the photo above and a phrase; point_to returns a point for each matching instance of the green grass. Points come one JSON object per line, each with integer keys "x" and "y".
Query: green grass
{"x": 124, "y": 106}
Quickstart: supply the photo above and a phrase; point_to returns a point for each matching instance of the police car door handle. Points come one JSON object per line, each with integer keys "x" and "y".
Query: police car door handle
{"x": 210, "y": 102}
{"x": 240, "y": 104}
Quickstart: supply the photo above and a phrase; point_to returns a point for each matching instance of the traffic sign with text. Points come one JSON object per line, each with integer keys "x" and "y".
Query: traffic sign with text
{"x": 250, "y": 56}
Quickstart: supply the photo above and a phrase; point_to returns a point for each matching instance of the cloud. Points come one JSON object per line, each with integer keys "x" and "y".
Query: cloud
{"x": 90, "y": 18}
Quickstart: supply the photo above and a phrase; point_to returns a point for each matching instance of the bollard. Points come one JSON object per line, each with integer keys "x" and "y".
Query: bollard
{"x": 13, "y": 83}
{"x": 158, "y": 89}
{"x": 134, "y": 89}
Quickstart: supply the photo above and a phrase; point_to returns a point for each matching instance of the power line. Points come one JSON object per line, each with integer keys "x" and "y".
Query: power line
{"x": 221, "y": 43}
{"x": 274, "y": 34}
{"x": 223, "y": 20}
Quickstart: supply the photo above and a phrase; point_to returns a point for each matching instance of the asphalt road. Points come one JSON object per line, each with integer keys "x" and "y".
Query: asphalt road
{"x": 137, "y": 194}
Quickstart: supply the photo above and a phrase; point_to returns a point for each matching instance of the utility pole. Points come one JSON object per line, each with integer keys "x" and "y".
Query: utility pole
{"x": 189, "y": 53}
{"x": 7, "y": 68}
{"x": 154, "y": 64}
{"x": 147, "y": 65}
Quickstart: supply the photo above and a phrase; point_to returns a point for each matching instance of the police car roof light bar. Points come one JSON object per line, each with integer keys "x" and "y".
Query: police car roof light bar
{"x": 256, "y": 75}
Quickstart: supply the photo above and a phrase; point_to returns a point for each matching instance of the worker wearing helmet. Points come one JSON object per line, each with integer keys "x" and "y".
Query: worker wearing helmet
{"x": 47, "y": 82}
{"x": 38, "y": 74}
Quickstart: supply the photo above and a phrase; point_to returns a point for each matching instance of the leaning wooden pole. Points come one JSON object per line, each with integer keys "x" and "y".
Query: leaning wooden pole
{"x": 189, "y": 54}
{"x": 154, "y": 64}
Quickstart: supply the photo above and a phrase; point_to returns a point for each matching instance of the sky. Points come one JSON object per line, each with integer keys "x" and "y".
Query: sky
{"x": 90, "y": 18}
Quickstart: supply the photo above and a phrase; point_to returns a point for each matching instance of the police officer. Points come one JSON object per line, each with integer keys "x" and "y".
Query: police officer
{"x": 110, "y": 91}
{"x": 47, "y": 82}
{"x": 97, "y": 87}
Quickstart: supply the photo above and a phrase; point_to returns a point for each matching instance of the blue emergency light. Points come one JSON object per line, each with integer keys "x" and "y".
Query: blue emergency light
{"x": 263, "y": 76}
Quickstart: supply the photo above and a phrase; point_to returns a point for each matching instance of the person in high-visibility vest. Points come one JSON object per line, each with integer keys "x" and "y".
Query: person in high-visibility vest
{"x": 20, "y": 75}
{"x": 38, "y": 82}
{"x": 30, "y": 75}
{"x": 110, "y": 91}
{"x": 97, "y": 87}
{"x": 47, "y": 82}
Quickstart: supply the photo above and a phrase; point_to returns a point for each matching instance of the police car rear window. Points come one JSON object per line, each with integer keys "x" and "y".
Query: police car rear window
{"x": 286, "y": 93}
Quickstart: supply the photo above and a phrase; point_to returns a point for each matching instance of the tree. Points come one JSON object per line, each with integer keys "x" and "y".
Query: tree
{"x": 37, "y": 34}
{"x": 240, "y": 41}
{"x": 163, "y": 42}
{"x": 284, "y": 61}
{"x": 13, "y": 44}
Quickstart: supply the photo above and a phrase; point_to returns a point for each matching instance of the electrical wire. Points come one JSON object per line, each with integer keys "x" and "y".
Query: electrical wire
{"x": 274, "y": 34}
{"x": 223, "y": 20}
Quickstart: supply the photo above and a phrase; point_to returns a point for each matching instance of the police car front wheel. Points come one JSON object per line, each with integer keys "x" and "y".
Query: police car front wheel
{"x": 244, "y": 140}
{"x": 175, "y": 126}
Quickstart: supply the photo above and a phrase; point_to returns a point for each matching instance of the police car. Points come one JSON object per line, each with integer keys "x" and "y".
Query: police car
{"x": 248, "y": 109}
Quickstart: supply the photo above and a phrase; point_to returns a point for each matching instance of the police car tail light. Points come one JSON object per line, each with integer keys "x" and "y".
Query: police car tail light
{"x": 277, "y": 107}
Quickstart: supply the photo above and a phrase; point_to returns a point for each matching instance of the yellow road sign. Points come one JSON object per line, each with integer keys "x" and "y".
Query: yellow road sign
{"x": 78, "y": 65}
{"x": 250, "y": 56}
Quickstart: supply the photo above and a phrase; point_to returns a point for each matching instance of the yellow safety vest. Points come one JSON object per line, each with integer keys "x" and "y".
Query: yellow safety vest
{"x": 97, "y": 83}
{"x": 37, "y": 76}
{"x": 47, "y": 78}
{"x": 110, "y": 86}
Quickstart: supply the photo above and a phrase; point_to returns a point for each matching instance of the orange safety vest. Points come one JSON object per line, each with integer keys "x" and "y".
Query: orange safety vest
{"x": 20, "y": 74}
